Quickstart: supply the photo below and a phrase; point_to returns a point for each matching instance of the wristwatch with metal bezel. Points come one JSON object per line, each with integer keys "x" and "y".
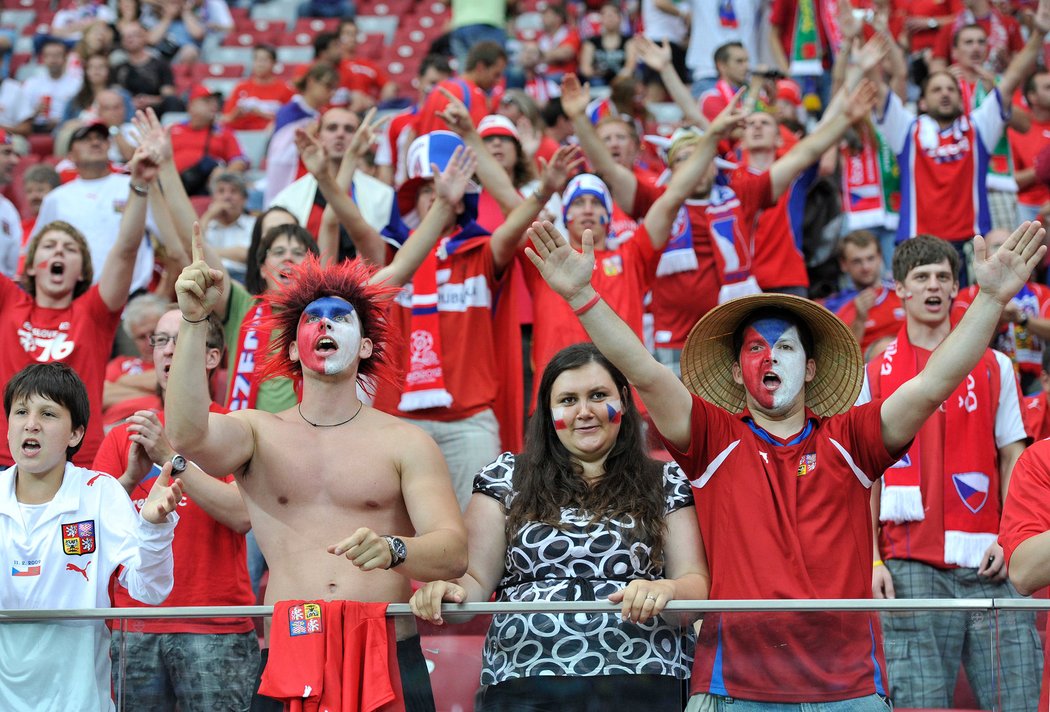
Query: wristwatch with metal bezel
{"x": 398, "y": 552}
{"x": 178, "y": 464}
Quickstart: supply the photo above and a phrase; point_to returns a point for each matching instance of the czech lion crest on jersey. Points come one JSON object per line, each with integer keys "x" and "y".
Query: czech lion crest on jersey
{"x": 304, "y": 619}
{"x": 806, "y": 464}
{"x": 78, "y": 538}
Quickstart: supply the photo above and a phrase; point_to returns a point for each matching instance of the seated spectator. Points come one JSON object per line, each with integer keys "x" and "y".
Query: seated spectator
{"x": 77, "y": 519}
{"x": 1033, "y": 195}
{"x": 253, "y": 104}
{"x": 72, "y": 21}
{"x": 580, "y": 479}
{"x": 16, "y": 113}
{"x": 145, "y": 77}
{"x": 327, "y": 8}
{"x": 538, "y": 86}
{"x": 99, "y": 38}
{"x": 131, "y": 383}
{"x": 177, "y": 27}
{"x": 559, "y": 42}
{"x": 869, "y": 306}
{"x": 609, "y": 54}
{"x": 165, "y": 661}
{"x": 97, "y": 76}
{"x": 201, "y": 146}
{"x": 328, "y": 48}
{"x": 110, "y": 110}
{"x": 10, "y": 222}
{"x": 38, "y": 181}
{"x": 366, "y": 81}
{"x": 226, "y": 225}
{"x": 50, "y": 91}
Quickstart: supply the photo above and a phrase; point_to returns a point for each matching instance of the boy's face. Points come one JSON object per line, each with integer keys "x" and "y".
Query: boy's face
{"x": 927, "y": 293}
{"x": 38, "y": 433}
{"x": 57, "y": 263}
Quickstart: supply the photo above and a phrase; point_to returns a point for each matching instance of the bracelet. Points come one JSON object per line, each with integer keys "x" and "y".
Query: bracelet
{"x": 197, "y": 321}
{"x": 142, "y": 190}
{"x": 877, "y": 562}
{"x": 588, "y": 306}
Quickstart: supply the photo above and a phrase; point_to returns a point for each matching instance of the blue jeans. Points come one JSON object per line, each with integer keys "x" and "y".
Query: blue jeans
{"x": 463, "y": 38}
{"x": 704, "y": 702}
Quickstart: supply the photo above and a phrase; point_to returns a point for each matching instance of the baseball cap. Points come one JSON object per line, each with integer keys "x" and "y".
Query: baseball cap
{"x": 94, "y": 127}
{"x": 200, "y": 91}
{"x": 788, "y": 90}
{"x": 498, "y": 125}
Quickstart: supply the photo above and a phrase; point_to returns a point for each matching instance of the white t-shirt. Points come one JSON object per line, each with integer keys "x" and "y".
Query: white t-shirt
{"x": 14, "y": 104}
{"x": 95, "y": 207}
{"x": 61, "y": 91}
{"x": 710, "y": 32}
{"x": 236, "y": 234}
{"x": 660, "y": 25}
{"x": 10, "y": 237}
{"x": 90, "y": 513}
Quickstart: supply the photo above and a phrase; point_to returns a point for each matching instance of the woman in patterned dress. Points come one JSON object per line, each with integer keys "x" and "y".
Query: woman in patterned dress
{"x": 582, "y": 514}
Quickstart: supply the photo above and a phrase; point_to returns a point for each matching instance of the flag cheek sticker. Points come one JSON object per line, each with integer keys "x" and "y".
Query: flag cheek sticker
{"x": 559, "y": 416}
{"x": 614, "y": 409}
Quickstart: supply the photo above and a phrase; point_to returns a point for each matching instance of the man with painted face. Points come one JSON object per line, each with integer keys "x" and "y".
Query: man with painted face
{"x": 389, "y": 505}
{"x": 763, "y": 427}
{"x": 936, "y": 511}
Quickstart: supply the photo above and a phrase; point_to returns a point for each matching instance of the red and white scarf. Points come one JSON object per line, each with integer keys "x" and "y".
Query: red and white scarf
{"x": 998, "y": 41}
{"x": 970, "y": 458}
{"x": 863, "y": 201}
{"x": 252, "y": 341}
{"x": 425, "y": 379}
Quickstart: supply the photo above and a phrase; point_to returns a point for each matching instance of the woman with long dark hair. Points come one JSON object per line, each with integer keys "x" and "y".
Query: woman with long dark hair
{"x": 583, "y": 513}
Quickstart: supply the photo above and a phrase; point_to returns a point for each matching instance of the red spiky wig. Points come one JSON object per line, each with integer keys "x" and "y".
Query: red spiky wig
{"x": 348, "y": 280}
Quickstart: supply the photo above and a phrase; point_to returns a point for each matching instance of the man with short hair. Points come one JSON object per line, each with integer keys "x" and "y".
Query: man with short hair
{"x": 870, "y": 307}
{"x": 227, "y": 226}
{"x": 936, "y": 512}
{"x": 482, "y": 72}
{"x": 732, "y": 65}
{"x": 362, "y": 82}
{"x": 10, "y": 221}
{"x": 253, "y": 104}
{"x": 49, "y": 92}
{"x": 768, "y": 433}
{"x": 147, "y": 78}
{"x": 1033, "y": 196}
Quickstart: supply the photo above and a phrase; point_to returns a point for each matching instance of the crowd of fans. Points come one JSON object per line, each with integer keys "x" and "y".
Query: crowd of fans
{"x": 839, "y": 152}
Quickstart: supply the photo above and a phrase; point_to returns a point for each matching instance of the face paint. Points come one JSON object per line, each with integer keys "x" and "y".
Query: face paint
{"x": 329, "y": 335}
{"x": 614, "y": 409}
{"x": 558, "y": 415}
{"x": 773, "y": 363}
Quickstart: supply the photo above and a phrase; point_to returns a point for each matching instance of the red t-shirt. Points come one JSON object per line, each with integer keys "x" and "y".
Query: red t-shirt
{"x": 188, "y": 145}
{"x": 564, "y": 36}
{"x": 1024, "y": 348}
{"x": 621, "y": 276}
{"x": 1026, "y": 514}
{"x": 211, "y": 566}
{"x": 884, "y": 318}
{"x": 777, "y": 259}
{"x": 467, "y": 287}
{"x": 1014, "y": 40}
{"x": 926, "y": 38}
{"x": 1025, "y": 147}
{"x": 395, "y": 135}
{"x": 260, "y": 100}
{"x": 787, "y": 519}
{"x": 465, "y": 90}
{"x": 1036, "y": 417}
{"x": 361, "y": 75}
{"x": 80, "y": 336}
{"x": 125, "y": 365}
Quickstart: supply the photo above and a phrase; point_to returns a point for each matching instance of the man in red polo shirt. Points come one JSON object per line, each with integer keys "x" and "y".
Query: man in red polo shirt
{"x": 253, "y": 104}
{"x": 362, "y": 83}
{"x": 202, "y": 144}
{"x": 1033, "y": 195}
{"x": 482, "y": 71}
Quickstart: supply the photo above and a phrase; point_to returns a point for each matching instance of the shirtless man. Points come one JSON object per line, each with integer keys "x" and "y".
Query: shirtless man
{"x": 330, "y": 477}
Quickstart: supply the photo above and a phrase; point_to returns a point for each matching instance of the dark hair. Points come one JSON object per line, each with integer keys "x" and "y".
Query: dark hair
{"x": 87, "y": 274}
{"x": 319, "y": 72}
{"x": 857, "y": 238}
{"x": 253, "y": 280}
{"x": 488, "y": 53}
{"x": 294, "y": 233}
{"x": 87, "y": 94}
{"x": 1046, "y": 360}
{"x": 971, "y": 26}
{"x": 558, "y": 8}
{"x": 1029, "y": 83}
{"x": 268, "y": 49}
{"x": 436, "y": 62}
{"x": 323, "y": 41}
{"x": 929, "y": 77}
{"x": 552, "y": 111}
{"x": 923, "y": 250}
{"x": 546, "y": 479}
{"x": 804, "y": 334}
{"x": 57, "y": 382}
{"x": 722, "y": 53}
{"x": 48, "y": 41}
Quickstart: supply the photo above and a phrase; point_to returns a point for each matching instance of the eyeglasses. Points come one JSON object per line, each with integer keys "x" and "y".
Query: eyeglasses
{"x": 159, "y": 341}
{"x": 282, "y": 252}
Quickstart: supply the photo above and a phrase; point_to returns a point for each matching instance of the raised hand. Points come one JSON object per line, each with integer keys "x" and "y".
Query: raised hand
{"x": 530, "y": 137}
{"x": 311, "y": 152}
{"x": 861, "y": 101}
{"x": 731, "y": 117}
{"x": 656, "y": 57}
{"x": 152, "y": 135}
{"x": 199, "y": 287}
{"x": 574, "y": 96}
{"x": 455, "y": 114}
{"x": 143, "y": 166}
{"x": 146, "y": 430}
{"x": 872, "y": 53}
{"x": 451, "y": 183}
{"x": 366, "y": 134}
{"x": 163, "y": 498}
{"x": 562, "y": 267}
{"x": 1002, "y": 274}
{"x": 849, "y": 25}
{"x": 563, "y": 164}
{"x": 426, "y": 602}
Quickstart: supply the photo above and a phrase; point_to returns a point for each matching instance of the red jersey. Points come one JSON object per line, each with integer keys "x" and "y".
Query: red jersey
{"x": 715, "y": 99}
{"x": 395, "y": 140}
{"x": 1026, "y": 514}
{"x": 126, "y": 365}
{"x": 1023, "y": 347}
{"x": 804, "y": 503}
{"x": 258, "y": 102}
{"x": 884, "y": 317}
{"x": 927, "y": 38}
{"x": 360, "y": 75}
{"x": 468, "y": 92}
{"x": 622, "y": 276}
{"x": 188, "y": 145}
{"x": 782, "y": 18}
{"x": 1003, "y": 33}
{"x": 1025, "y": 147}
{"x": 564, "y": 36}
{"x": 776, "y": 251}
{"x": 1036, "y": 416}
{"x": 211, "y": 566}
{"x": 467, "y": 288}
{"x": 79, "y": 336}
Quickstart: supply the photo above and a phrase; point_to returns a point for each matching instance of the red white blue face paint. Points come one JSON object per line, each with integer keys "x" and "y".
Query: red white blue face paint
{"x": 773, "y": 363}
{"x": 558, "y": 415}
{"x": 614, "y": 410}
{"x": 329, "y": 335}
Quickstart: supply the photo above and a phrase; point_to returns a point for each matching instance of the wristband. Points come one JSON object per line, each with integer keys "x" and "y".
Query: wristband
{"x": 877, "y": 562}
{"x": 142, "y": 190}
{"x": 195, "y": 321}
{"x": 588, "y": 306}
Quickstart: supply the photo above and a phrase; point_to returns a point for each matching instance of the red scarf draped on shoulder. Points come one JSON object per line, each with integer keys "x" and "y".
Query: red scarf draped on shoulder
{"x": 253, "y": 339}
{"x": 970, "y": 457}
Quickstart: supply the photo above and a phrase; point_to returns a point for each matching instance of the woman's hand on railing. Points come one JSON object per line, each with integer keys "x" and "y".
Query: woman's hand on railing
{"x": 643, "y": 599}
{"x": 426, "y": 602}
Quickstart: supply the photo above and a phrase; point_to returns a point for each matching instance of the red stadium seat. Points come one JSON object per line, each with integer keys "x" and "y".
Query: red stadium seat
{"x": 454, "y": 660}
{"x": 315, "y": 25}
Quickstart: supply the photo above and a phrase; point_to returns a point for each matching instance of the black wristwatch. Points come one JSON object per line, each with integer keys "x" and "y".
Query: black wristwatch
{"x": 178, "y": 464}
{"x": 398, "y": 552}
{"x": 1023, "y": 321}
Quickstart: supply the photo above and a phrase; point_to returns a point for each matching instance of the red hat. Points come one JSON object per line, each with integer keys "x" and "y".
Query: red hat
{"x": 788, "y": 90}
{"x": 5, "y": 138}
{"x": 200, "y": 91}
{"x": 498, "y": 125}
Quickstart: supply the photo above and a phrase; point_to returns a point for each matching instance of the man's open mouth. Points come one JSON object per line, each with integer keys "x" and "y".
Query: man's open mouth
{"x": 771, "y": 380}
{"x": 326, "y": 343}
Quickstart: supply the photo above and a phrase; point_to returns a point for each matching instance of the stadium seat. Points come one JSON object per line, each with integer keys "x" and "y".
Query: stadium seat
{"x": 254, "y": 145}
{"x": 18, "y": 19}
{"x": 295, "y": 55}
{"x": 314, "y": 25}
{"x": 454, "y": 661}
{"x": 231, "y": 55}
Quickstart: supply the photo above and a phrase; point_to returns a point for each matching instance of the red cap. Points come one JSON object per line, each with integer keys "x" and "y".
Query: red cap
{"x": 498, "y": 125}
{"x": 201, "y": 92}
{"x": 5, "y": 138}
{"x": 788, "y": 90}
